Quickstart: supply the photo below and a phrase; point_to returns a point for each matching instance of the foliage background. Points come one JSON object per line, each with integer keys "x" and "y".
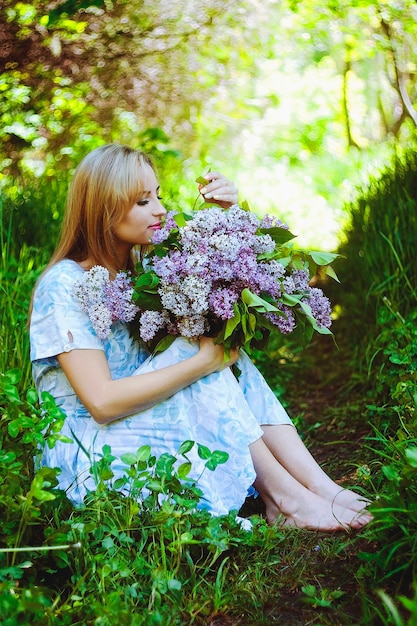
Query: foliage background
{"x": 297, "y": 101}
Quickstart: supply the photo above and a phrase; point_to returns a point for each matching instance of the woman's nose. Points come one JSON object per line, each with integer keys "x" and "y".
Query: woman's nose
{"x": 161, "y": 210}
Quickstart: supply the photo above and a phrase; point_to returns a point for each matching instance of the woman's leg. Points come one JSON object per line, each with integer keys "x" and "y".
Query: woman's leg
{"x": 287, "y": 499}
{"x": 288, "y": 448}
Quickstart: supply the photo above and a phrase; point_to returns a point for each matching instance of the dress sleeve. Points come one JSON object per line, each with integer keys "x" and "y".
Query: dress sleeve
{"x": 58, "y": 324}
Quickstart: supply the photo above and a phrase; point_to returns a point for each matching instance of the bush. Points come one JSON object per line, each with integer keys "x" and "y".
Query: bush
{"x": 379, "y": 249}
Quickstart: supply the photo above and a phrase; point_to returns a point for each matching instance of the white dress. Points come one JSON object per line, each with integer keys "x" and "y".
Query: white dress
{"x": 217, "y": 411}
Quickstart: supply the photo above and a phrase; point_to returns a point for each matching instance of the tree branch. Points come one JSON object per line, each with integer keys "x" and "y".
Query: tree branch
{"x": 400, "y": 76}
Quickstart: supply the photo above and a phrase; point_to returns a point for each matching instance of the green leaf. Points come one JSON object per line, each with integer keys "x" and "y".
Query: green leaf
{"x": 184, "y": 469}
{"x": 323, "y": 258}
{"x": 203, "y": 451}
{"x": 11, "y": 392}
{"x": 253, "y": 300}
{"x": 12, "y": 376}
{"x": 391, "y": 473}
{"x": 278, "y": 234}
{"x": 174, "y": 584}
{"x": 147, "y": 282}
{"x": 129, "y": 458}
{"x": 108, "y": 543}
{"x": 148, "y": 301}
{"x": 220, "y": 456}
{"x": 165, "y": 464}
{"x": 330, "y": 272}
{"x": 164, "y": 344}
{"x": 42, "y": 495}
{"x": 154, "y": 485}
{"x": 411, "y": 456}
{"x": 252, "y": 322}
{"x": 232, "y": 323}
{"x": 185, "y": 446}
{"x": 13, "y": 428}
{"x": 32, "y": 396}
{"x": 290, "y": 299}
{"x": 180, "y": 219}
{"x": 144, "y": 453}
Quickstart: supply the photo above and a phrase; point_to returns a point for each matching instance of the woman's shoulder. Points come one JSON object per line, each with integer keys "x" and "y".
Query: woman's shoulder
{"x": 63, "y": 273}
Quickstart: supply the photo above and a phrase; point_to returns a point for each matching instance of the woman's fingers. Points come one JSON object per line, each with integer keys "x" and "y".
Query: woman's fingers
{"x": 219, "y": 190}
{"x": 216, "y": 353}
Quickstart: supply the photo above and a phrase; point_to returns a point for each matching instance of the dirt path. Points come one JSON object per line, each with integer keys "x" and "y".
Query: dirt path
{"x": 329, "y": 410}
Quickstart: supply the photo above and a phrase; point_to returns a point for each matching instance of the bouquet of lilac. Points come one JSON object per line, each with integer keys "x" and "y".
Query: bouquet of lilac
{"x": 230, "y": 275}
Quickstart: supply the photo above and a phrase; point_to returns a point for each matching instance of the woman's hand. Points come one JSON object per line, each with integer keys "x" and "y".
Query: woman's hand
{"x": 214, "y": 355}
{"x": 219, "y": 190}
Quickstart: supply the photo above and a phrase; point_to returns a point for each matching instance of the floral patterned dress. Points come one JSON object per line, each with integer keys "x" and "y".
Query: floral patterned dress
{"x": 217, "y": 411}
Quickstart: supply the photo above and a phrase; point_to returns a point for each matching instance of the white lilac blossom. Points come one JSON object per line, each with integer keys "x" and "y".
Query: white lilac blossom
{"x": 151, "y": 322}
{"x": 104, "y": 300}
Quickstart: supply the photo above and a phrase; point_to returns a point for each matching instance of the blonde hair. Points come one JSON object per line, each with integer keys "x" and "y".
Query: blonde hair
{"x": 105, "y": 186}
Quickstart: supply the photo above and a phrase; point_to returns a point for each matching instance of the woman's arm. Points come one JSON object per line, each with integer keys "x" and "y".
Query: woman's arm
{"x": 108, "y": 400}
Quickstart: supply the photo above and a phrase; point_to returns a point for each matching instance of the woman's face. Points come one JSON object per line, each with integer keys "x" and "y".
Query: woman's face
{"x": 145, "y": 216}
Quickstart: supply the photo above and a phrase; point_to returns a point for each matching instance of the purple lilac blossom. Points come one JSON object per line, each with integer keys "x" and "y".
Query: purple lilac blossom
{"x": 222, "y": 301}
{"x": 270, "y": 221}
{"x": 320, "y": 307}
{"x": 286, "y": 322}
{"x": 169, "y": 223}
{"x": 105, "y": 301}
{"x": 118, "y": 297}
{"x": 101, "y": 320}
{"x": 301, "y": 279}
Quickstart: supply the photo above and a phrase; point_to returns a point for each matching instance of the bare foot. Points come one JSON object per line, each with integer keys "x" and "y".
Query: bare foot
{"x": 352, "y": 500}
{"x": 345, "y": 498}
{"x": 313, "y": 512}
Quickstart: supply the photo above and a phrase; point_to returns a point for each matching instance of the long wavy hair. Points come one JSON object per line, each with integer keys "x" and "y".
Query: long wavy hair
{"x": 105, "y": 186}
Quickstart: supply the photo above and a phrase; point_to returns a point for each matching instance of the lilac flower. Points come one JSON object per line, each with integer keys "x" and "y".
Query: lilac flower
{"x": 118, "y": 295}
{"x": 222, "y": 302}
{"x": 270, "y": 221}
{"x": 151, "y": 322}
{"x": 170, "y": 267}
{"x": 101, "y": 320}
{"x": 192, "y": 326}
{"x": 105, "y": 301}
{"x": 187, "y": 297}
{"x": 301, "y": 279}
{"x": 285, "y": 322}
{"x": 161, "y": 234}
{"x": 320, "y": 307}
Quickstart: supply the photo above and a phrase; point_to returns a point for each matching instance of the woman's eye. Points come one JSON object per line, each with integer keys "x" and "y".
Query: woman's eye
{"x": 142, "y": 202}
{"x": 159, "y": 197}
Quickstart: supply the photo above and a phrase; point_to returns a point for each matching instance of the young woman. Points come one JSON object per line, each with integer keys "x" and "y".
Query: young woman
{"x": 112, "y": 392}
